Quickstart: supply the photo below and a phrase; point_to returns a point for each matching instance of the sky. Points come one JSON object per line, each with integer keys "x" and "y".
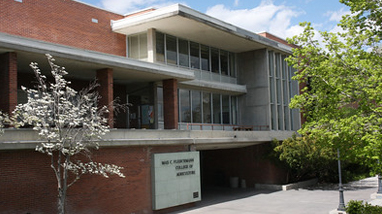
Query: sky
{"x": 278, "y": 17}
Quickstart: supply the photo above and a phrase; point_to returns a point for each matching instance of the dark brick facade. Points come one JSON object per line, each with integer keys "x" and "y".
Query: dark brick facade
{"x": 28, "y": 184}
{"x": 8, "y": 82}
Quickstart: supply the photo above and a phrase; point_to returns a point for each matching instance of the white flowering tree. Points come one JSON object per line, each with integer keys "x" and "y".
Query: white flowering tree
{"x": 70, "y": 123}
{"x": 3, "y": 120}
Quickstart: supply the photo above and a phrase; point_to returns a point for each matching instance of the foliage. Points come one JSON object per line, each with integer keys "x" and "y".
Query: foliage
{"x": 305, "y": 158}
{"x": 357, "y": 207}
{"x": 343, "y": 78}
{"x": 69, "y": 122}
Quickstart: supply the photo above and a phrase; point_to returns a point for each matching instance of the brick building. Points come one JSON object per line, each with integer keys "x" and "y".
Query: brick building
{"x": 203, "y": 92}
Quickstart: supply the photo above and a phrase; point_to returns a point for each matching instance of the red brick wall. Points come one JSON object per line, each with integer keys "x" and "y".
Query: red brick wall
{"x": 8, "y": 82}
{"x": 64, "y": 22}
{"x": 170, "y": 100}
{"x": 277, "y": 39}
{"x": 28, "y": 184}
{"x": 105, "y": 90}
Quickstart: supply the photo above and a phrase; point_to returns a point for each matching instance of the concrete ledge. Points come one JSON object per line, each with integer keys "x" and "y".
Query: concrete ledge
{"x": 286, "y": 187}
{"x": 337, "y": 212}
{"x": 376, "y": 196}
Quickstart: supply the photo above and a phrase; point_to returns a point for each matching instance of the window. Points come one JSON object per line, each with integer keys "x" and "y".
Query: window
{"x": 176, "y": 51}
{"x": 215, "y": 60}
{"x": 216, "y": 108}
{"x": 171, "y": 50}
{"x": 282, "y": 88}
{"x": 183, "y": 53}
{"x": 138, "y": 46}
{"x": 160, "y": 103}
{"x": 234, "y": 110}
{"x": 185, "y": 108}
{"x": 196, "y": 107}
{"x": 224, "y": 62}
{"x": 226, "y": 109}
{"x": 232, "y": 65}
{"x": 205, "y": 57}
{"x": 160, "y": 47}
{"x": 207, "y": 108}
{"x": 203, "y": 107}
{"x": 194, "y": 52}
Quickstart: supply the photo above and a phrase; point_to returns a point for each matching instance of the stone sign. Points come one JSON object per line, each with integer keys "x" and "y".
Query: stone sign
{"x": 176, "y": 179}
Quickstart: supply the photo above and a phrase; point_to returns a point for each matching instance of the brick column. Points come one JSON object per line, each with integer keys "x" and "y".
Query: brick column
{"x": 8, "y": 82}
{"x": 170, "y": 103}
{"x": 105, "y": 79}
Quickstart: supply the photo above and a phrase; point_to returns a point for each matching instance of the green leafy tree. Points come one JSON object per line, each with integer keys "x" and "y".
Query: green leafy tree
{"x": 342, "y": 99}
{"x": 305, "y": 159}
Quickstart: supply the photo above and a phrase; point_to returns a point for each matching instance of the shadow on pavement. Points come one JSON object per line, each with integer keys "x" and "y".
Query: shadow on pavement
{"x": 355, "y": 185}
{"x": 216, "y": 195}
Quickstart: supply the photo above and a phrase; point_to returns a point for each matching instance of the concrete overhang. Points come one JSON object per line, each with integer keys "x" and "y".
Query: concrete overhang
{"x": 218, "y": 87}
{"x": 14, "y": 139}
{"x": 83, "y": 63}
{"x": 186, "y": 23}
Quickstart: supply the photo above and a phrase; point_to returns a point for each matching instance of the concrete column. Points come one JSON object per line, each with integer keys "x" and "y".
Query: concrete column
{"x": 170, "y": 103}
{"x": 151, "y": 45}
{"x": 105, "y": 79}
{"x": 8, "y": 82}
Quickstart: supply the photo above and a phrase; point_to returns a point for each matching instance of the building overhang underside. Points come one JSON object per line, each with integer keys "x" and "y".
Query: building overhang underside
{"x": 196, "y": 140}
{"x": 83, "y": 64}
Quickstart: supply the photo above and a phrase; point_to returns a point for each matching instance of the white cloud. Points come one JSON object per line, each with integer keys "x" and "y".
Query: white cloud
{"x": 267, "y": 16}
{"x": 336, "y": 16}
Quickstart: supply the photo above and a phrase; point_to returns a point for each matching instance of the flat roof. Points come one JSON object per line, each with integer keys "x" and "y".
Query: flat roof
{"x": 186, "y": 23}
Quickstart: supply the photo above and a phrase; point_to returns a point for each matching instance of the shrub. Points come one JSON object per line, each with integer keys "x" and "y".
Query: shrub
{"x": 358, "y": 207}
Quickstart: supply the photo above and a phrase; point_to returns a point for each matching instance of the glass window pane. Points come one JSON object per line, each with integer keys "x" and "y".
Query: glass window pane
{"x": 216, "y": 108}
{"x": 160, "y": 103}
{"x": 205, "y": 53}
{"x": 171, "y": 50}
{"x": 273, "y": 117}
{"x": 194, "y": 54}
{"x": 278, "y": 88}
{"x": 159, "y": 47}
{"x": 232, "y": 65}
{"x": 278, "y": 66}
{"x": 286, "y": 116}
{"x": 185, "y": 113}
{"x": 206, "y": 108}
{"x": 284, "y": 67}
{"x": 272, "y": 89}
{"x": 143, "y": 46}
{"x": 215, "y": 60}
{"x": 183, "y": 53}
{"x": 225, "y": 107}
{"x": 280, "y": 117}
{"x": 234, "y": 109}
{"x": 271, "y": 64}
{"x": 133, "y": 47}
{"x": 196, "y": 107}
{"x": 224, "y": 62}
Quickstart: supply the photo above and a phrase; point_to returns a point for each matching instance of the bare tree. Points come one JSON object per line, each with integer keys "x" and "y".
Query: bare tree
{"x": 70, "y": 123}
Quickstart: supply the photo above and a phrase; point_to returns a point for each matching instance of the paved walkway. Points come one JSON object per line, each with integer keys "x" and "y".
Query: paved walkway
{"x": 318, "y": 199}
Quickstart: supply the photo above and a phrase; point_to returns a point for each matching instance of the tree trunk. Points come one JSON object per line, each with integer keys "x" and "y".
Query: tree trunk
{"x": 63, "y": 186}
{"x": 61, "y": 201}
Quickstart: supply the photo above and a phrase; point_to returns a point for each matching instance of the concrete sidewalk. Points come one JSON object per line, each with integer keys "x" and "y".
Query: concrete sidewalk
{"x": 319, "y": 199}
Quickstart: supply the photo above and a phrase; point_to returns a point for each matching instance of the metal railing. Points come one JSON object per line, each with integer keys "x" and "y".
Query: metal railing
{"x": 224, "y": 127}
